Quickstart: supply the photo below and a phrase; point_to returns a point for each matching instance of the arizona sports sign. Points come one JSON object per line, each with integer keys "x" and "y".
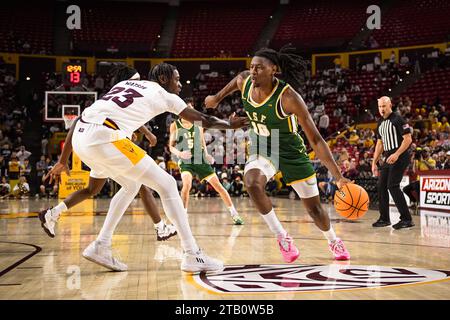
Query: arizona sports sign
{"x": 304, "y": 278}
{"x": 435, "y": 190}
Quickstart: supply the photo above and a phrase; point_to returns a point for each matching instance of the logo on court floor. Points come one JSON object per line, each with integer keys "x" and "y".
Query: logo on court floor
{"x": 301, "y": 278}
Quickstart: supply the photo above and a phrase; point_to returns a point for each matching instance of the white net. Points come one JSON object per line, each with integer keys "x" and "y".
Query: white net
{"x": 68, "y": 120}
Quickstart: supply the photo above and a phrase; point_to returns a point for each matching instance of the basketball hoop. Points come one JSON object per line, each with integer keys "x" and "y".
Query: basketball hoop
{"x": 68, "y": 120}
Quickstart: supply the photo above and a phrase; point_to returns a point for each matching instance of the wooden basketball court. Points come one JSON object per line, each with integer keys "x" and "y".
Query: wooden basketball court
{"x": 385, "y": 264}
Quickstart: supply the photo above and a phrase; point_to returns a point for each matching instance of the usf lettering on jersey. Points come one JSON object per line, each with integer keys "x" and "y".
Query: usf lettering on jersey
{"x": 270, "y": 125}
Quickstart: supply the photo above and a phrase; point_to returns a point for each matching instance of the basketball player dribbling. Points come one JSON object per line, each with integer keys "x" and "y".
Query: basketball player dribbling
{"x": 272, "y": 105}
{"x": 186, "y": 139}
{"x": 50, "y": 216}
{"x": 108, "y": 150}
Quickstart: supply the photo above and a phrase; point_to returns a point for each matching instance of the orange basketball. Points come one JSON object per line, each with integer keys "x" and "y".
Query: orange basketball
{"x": 351, "y": 201}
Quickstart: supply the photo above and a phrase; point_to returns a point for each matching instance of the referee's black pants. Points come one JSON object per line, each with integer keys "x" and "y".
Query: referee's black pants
{"x": 389, "y": 181}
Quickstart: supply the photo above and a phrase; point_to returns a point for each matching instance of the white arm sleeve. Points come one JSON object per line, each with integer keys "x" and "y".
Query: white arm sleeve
{"x": 174, "y": 103}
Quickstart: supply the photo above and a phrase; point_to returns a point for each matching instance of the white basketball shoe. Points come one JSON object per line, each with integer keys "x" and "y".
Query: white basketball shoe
{"x": 166, "y": 232}
{"x": 102, "y": 254}
{"x": 197, "y": 262}
{"x": 48, "y": 222}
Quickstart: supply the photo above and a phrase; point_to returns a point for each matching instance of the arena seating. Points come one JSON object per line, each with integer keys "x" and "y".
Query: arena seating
{"x": 308, "y": 24}
{"x": 429, "y": 86}
{"x": 370, "y": 89}
{"x": 130, "y": 27}
{"x": 33, "y": 25}
{"x": 205, "y": 28}
{"x": 414, "y": 22}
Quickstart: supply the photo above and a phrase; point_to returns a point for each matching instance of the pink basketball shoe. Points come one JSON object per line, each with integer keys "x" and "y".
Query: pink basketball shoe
{"x": 339, "y": 251}
{"x": 287, "y": 248}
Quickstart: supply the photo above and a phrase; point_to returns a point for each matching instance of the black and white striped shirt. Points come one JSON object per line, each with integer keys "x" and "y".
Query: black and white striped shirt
{"x": 391, "y": 131}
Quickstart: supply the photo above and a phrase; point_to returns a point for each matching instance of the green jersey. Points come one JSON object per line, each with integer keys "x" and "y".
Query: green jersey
{"x": 189, "y": 139}
{"x": 275, "y": 134}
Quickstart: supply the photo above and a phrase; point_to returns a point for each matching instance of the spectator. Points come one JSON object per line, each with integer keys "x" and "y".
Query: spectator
{"x": 47, "y": 189}
{"x": 373, "y": 44}
{"x": 337, "y": 112}
{"x": 99, "y": 83}
{"x": 349, "y": 169}
{"x": 343, "y": 156}
{"x": 446, "y": 164}
{"x": 404, "y": 60}
{"x": 3, "y": 166}
{"x": 23, "y": 154}
{"x": 226, "y": 184}
{"x": 44, "y": 143}
{"x": 21, "y": 189}
{"x": 354, "y": 138}
{"x": 319, "y": 110}
{"x": 13, "y": 168}
{"x": 328, "y": 187}
{"x": 424, "y": 161}
{"x": 41, "y": 167}
{"x": 237, "y": 186}
{"x": 377, "y": 61}
{"x": 436, "y": 124}
{"x": 341, "y": 99}
{"x": 236, "y": 173}
{"x": 5, "y": 188}
{"x": 392, "y": 59}
{"x": 324, "y": 122}
{"x": 25, "y": 169}
{"x": 6, "y": 151}
{"x": 444, "y": 124}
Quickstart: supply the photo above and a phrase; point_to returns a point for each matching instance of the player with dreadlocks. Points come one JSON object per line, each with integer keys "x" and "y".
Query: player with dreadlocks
{"x": 163, "y": 231}
{"x": 275, "y": 109}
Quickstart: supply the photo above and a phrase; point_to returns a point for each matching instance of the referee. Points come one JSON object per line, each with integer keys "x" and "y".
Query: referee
{"x": 390, "y": 160}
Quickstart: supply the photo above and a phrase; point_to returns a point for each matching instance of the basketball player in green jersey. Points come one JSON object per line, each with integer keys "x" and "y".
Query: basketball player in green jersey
{"x": 275, "y": 109}
{"x": 188, "y": 144}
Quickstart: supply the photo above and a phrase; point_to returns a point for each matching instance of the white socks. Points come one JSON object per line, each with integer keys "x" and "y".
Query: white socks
{"x": 330, "y": 235}
{"x": 56, "y": 211}
{"x": 233, "y": 211}
{"x": 177, "y": 214}
{"x": 273, "y": 223}
{"x": 160, "y": 224}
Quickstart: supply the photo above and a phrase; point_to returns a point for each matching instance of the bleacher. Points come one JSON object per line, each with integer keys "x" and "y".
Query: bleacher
{"x": 31, "y": 23}
{"x": 414, "y": 22}
{"x": 311, "y": 24}
{"x": 205, "y": 28}
{"x": 128, "y": 26}
{"x": 432, "y": 84}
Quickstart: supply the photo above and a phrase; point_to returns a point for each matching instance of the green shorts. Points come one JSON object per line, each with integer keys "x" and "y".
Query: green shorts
{"x": 296, "y": 170}
{"x": 203, "y": 171}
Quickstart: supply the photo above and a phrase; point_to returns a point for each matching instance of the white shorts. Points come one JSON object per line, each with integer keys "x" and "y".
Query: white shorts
{"x": 107, "y": 159}
{"x": 305, "y": 188}
{"x": 262, "y": 164}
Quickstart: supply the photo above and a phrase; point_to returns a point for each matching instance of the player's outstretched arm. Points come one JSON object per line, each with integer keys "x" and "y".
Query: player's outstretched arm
{"x": 236, "y": 84}
{"x": 294, "y": 104}
{"x": 148, "y": 135}
{"x": 208, "y": 121}
{"x": 62, "y": 164}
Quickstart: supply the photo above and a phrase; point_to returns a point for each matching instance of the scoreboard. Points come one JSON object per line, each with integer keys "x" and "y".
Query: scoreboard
{"x": 73, "y": 72}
